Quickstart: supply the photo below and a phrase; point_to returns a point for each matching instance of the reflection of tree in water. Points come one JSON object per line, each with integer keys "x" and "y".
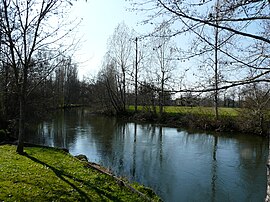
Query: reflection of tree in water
{"x": 248, "y": 163}
{"x": 237, "y": 161}
{"x": 203, "y": 143}
{"x": 160, "y": 146}
{"x": 59, "y": 130}
{"x": 147, "y": 153}
{"x": 214, "y": 168}
{"x": 252, "y": 158}
{"x": 252, "y": 153}
{"x": 134, "y": 151}
{"x": 160, "y": 157}
{"x": 51, "y": 133}
{"x": 102, "y": 131}
{"x": 66, "y": 126}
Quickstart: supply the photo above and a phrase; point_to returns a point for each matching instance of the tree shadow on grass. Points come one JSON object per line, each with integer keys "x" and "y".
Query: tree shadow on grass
{"x": 61, "y": 175}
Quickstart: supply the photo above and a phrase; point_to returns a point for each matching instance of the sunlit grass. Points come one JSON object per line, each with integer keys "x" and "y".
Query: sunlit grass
{"x": 52, "y": 175}
{"x": 194, "y": 110}
{"x": 201, "y": 110}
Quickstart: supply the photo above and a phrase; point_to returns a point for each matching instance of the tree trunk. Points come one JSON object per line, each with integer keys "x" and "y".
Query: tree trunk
{"x": 267, "y": 198}
{"x": 123, "y": 91}
{"x": 22, "y": 101}
{"x": 6, "y": 92}
{"x": 20, "y": 145}
{"x": 216, "y": 63}
{"x": 161, "y": 96}
{"x": 136, "y": 77}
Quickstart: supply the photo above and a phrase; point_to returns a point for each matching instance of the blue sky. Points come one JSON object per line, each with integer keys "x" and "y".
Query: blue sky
{"x": 100, "y": 17}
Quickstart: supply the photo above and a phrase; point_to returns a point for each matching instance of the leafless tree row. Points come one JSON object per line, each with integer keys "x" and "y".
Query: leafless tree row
{"x": 32, "y": 49}
{"x": 212, "y": 48}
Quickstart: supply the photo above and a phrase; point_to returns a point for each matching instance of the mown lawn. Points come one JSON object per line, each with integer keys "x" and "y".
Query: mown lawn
{"x": 44, "y": 174}
{"x": 201, "y": 110}
{"x": 194, "y": 110}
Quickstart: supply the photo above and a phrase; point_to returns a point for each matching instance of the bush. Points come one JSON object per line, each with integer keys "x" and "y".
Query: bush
{"x": 253, "y": 121}
{"x": 3, "y": 135}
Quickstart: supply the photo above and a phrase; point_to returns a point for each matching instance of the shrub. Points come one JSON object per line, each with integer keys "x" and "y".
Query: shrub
{"x": 3, "y": 135}
{"x": 253, "y": 121}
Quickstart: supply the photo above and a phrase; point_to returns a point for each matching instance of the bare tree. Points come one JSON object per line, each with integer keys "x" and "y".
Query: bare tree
{"x": 108, "y": 90}
{"x": 142, "y": 53}
{"x": 165, "y": 60}
{"x": 67, "y": 82}
{"x": 27, "y": 27}
{"x": 136, "y": 75}
{"x": 254, "y": 116}
{"x": 120, "y": 50}
{"x": 237, "y": 18}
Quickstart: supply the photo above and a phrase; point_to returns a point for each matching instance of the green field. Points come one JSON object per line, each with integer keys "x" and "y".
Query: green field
{"x": 194, "y": 110}
{"x": 45, "y": 174}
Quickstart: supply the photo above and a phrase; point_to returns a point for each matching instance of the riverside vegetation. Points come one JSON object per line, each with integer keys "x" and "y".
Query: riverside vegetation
{"x": 48, "y": 174}
{"x": 230, "y": 119}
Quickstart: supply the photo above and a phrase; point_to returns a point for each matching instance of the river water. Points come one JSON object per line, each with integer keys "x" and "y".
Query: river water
{"x": 178, "y": 165}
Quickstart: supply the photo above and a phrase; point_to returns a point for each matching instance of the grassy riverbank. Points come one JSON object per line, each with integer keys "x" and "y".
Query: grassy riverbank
{"x": 176, "y": 110}
{"x": 230, "y": 119}
{"x": 46, "y": 174}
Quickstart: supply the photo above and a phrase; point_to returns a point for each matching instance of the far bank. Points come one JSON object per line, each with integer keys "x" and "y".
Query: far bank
{"x": 236, "y": 120}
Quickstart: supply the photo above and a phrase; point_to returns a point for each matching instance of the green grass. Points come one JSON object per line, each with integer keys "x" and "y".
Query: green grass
{"x": 201, "y": 110}
{"x": 195, "y": 110}
{"x": 44, "y": 174}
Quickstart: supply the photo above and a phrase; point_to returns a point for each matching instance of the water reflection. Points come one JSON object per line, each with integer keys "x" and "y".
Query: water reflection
{"x": 178, "y": 165}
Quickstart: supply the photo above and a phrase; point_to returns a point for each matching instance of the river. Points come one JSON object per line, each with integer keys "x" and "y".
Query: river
{"x": 178, "y": 165}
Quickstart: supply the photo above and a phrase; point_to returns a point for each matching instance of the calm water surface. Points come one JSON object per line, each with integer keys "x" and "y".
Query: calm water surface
{"x": 176, "y": 164}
